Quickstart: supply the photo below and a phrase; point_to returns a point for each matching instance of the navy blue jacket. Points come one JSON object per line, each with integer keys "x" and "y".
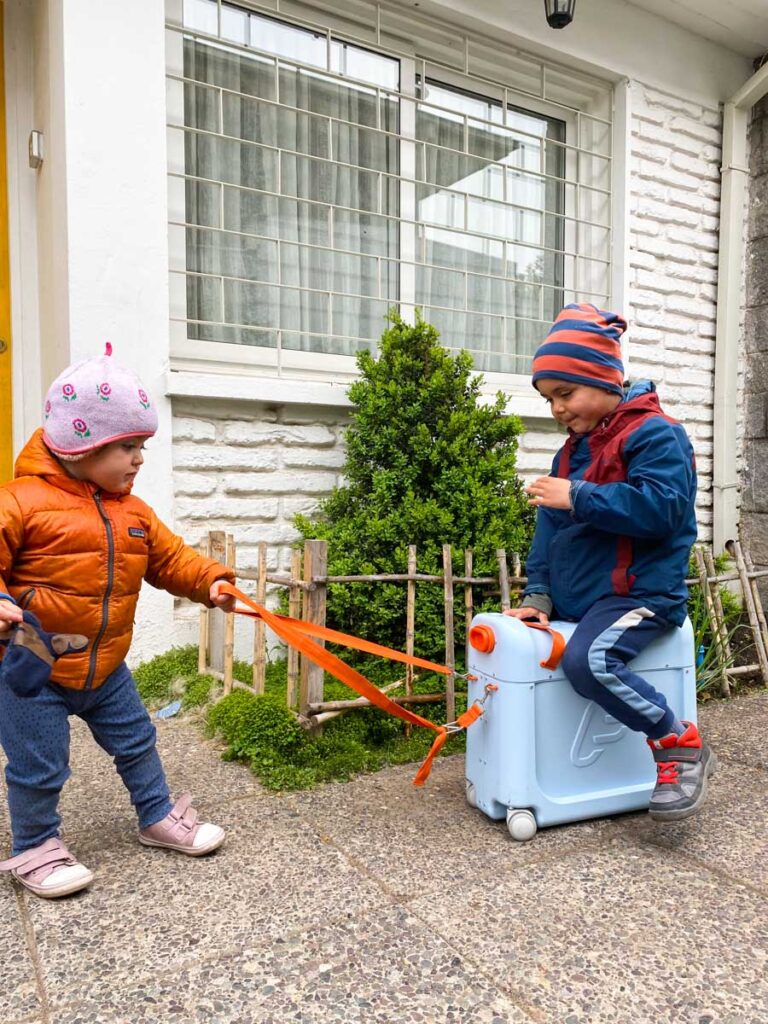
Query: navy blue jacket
{"x": 633, "y": 519}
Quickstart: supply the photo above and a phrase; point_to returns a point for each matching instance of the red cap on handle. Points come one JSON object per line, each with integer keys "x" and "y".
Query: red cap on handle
{"x": 482, "y": 638}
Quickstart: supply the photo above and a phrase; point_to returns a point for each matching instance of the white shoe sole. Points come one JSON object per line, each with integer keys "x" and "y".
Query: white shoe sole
{"x": 74, "y": 883}
{"x": 191, "y": 851}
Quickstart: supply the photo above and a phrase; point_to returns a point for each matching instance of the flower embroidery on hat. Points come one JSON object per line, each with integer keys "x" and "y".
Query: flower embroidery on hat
{"x": 112, "y": 404}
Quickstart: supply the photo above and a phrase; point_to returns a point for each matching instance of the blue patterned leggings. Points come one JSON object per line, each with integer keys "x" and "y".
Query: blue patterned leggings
{"x": 34, "y": 733}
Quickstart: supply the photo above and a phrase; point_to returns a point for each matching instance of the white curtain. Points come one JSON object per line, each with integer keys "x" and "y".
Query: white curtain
{"x": 293, "y": 205}
{"x": 314, "y": 263}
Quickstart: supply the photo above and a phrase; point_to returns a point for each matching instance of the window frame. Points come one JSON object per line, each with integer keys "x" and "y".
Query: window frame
{"x": 435, "y": 73}
{"x": 191, "y": 355}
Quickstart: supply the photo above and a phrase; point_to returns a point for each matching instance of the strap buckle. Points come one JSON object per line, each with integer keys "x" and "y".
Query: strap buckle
{"x": 489, "y": 689}
{"x": 453, "y": 727}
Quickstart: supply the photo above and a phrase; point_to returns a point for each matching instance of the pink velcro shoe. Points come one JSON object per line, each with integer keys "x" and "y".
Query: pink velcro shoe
{"x": 180, "y": 830}
{"x": 48, "y": 870}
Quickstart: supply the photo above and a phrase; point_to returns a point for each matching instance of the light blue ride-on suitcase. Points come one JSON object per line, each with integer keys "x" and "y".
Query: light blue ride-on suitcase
{"x": 543, "y": 755}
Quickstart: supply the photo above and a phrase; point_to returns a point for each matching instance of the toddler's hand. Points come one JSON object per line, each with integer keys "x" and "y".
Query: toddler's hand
{"x": 10, "y": 614}
{"x": 550, "y": 491}
{"x": 527, "y": 612}
{"x": 224, "y": 601}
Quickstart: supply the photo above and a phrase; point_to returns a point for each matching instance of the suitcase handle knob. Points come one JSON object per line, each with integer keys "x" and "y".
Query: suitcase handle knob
{"x": 482, "y": 638}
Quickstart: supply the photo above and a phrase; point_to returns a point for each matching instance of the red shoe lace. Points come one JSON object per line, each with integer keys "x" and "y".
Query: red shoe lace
{"x": 667, "y": 772}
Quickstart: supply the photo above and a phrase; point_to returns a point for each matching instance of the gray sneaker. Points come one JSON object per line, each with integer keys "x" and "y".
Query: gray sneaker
{"x": 682, "y": 765}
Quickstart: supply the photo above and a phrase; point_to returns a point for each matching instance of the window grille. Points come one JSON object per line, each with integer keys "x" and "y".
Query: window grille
{"x": 320, "y": 175}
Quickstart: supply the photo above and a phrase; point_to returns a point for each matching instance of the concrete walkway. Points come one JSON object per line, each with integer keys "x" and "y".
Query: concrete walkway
{"x": 377, "y": 902}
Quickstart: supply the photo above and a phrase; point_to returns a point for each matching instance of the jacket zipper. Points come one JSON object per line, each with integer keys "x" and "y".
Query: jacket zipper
{"x": 107, "y": 592}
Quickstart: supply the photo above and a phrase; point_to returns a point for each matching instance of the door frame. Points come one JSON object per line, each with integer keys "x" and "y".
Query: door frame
{"x": 6, "y": 366}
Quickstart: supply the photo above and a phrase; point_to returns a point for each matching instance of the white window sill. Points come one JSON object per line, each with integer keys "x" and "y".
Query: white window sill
{"x": 254, "y": 388}
{"x": 273, "y": 390}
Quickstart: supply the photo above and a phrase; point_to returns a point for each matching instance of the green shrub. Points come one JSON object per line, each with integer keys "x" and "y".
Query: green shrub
{"x": 157, "y": 678}
{"x": 262, "y": 732}
{"x": 198, "y": 692}
{"x": 427, "y": 464}
{"x": 251, "y": 723}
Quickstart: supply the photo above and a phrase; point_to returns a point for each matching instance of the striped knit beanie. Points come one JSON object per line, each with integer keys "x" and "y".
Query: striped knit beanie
{"x": 584, "y": 346}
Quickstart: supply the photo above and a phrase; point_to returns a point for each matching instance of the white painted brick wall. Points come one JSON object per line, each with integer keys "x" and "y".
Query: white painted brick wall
{"x": 537, "y": 448}
{"x": 674, "y": 220}
{"x": 248, "y": 470}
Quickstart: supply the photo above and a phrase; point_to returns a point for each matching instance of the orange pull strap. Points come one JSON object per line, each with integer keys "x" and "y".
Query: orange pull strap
{"x": 558, "y": 644}
{"x": 298, "y": 633}
{"x": 462, "y": 722}
{"x": 335, "y": 637}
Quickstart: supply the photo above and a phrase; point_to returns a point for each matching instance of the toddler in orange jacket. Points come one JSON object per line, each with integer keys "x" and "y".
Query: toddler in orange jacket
{"x": 75, "y": 546}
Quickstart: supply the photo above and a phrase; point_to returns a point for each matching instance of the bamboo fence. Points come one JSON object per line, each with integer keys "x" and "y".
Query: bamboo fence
{"x": 308, "y": 581}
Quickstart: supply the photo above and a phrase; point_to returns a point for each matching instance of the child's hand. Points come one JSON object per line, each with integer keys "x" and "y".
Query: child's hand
{"x": 551, "y": 491}
{"x": 224, "y": 601}
{"x": 526, "y": 612}
{"x": 10, "y": 614}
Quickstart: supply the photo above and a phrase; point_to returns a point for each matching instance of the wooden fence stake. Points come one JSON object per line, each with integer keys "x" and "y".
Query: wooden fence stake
{"x": 714, "y": 589}
{"x": 216, "y": 617}
{"x": 468, "y": 598}
{"x": 315, "y": 564}
{"x": 259, "y": 630}
{"x": 468, "y": 604}
{"x": 294, "y": 610}
{"x": 202, "y": 646}
{"x": 327, "y": 710}
{"x": 717, "y": 636}
{"x": 450, "y": 657}
{"x": 501, "y": 557}
{"x": 762, "y": 656}
{"x": 229, "y": 623}
{"x": 756, "y": 598}
{"x": 410, "y": 625}
{"x": 362, "y": 702}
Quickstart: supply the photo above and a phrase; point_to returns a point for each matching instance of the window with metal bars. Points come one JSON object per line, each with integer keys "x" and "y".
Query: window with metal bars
{"x": 324, "y": 182}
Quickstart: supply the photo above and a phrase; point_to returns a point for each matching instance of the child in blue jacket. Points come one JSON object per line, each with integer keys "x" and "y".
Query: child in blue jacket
{"x": 615, "y": 524}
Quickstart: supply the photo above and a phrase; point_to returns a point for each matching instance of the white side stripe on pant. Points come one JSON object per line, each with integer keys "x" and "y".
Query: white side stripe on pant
{"x": 599, "y": 669}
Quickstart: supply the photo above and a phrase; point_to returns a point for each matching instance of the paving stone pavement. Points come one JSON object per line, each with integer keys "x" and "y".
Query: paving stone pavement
{"x": 376, "y": 902}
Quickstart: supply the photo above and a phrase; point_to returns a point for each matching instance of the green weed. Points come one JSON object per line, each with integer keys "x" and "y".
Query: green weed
{"x": 262, "y": 732}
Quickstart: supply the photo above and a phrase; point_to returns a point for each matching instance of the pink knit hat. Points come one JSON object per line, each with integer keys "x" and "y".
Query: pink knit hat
{"x": 93, "y": 403}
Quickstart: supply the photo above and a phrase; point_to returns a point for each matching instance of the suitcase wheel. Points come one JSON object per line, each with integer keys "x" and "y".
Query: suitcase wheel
{"x": 521, "y": 824}
{"x": 470, "y": 792}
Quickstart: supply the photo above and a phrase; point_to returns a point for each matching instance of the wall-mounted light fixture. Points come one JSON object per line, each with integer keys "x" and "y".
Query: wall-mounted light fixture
{"x": 559, "y": 12}
{"x": 35, "y": 149}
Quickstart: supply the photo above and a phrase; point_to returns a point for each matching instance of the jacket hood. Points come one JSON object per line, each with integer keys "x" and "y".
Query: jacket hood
{"x": 640, "y": 387}
{"x": 35, "y": 459}
{"x": 639, "y": 399}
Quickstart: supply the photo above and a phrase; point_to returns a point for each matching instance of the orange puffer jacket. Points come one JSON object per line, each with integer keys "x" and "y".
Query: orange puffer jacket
{"x": 76, "y": 557}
